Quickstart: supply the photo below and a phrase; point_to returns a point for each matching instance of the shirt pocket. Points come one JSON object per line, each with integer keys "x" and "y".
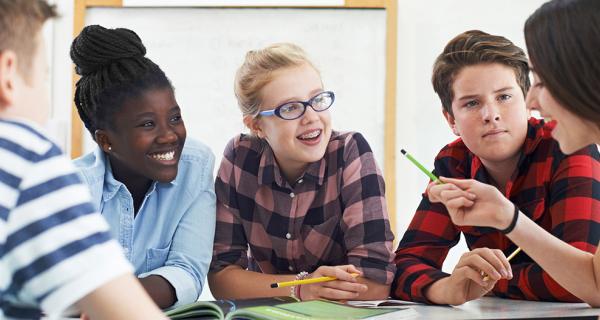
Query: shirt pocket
{"x": 156, "y": 258}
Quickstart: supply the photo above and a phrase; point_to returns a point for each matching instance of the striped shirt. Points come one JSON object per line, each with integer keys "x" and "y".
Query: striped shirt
{"x": 54, "y": 247}
{"x": 334, "y": 214}
{"x": 560, "y": 193}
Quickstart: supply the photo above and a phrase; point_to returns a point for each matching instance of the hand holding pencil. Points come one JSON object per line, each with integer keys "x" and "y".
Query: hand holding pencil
{"x": 329, "y": 282}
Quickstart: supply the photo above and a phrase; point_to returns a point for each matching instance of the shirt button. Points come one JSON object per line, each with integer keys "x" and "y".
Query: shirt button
{"x": 126, "y": 250}
{"x": 301, "y": 180}
{"x": 288, "y": 236}
{"x": 291, "y": 268}
{"x": 292, "y": 195}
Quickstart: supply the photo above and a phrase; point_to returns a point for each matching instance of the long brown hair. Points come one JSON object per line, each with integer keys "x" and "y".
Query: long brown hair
{"x": 563, "y": 42}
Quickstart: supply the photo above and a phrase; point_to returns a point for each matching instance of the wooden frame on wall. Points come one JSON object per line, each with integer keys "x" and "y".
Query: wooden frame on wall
{"x": 390, "y": 6}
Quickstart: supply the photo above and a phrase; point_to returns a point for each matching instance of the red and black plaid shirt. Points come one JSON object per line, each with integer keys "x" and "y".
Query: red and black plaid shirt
{"x": 334, "y": 214}
{"x": 560, "y": 193}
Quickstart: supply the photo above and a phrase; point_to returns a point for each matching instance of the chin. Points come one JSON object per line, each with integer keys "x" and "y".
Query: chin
{"x": 166, "y": 177}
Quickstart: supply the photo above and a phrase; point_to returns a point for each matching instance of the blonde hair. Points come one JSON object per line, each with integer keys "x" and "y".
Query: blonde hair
{"x": 257, "y": 71}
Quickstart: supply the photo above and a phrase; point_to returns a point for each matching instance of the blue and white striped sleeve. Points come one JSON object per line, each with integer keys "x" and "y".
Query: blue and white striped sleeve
{"x": 57, "y": 247}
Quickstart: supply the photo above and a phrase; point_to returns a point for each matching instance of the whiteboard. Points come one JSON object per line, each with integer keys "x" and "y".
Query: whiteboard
{"x": 201, "y": 48}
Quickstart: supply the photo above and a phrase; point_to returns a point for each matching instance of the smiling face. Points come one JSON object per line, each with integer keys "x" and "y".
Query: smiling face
{"x": 580, "y": 133}
{"x": 298, "y": 142}
{"x": 146, "y": 137}
{"x": 489, "y": 112}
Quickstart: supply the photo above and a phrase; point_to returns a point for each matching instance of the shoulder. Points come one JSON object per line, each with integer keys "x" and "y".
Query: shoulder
{"x": 350, "y": 141}
{"x": 196, "y": 157}
{"x": 26, "y": 142}
{"x": 92, "y": 167}
{"x": 243, "y": 146}
{"x": 455, "y": 150}
{"x": 196, "y": 151}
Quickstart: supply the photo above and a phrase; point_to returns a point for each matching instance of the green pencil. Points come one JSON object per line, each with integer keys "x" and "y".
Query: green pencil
{"x": 420, "y": 166}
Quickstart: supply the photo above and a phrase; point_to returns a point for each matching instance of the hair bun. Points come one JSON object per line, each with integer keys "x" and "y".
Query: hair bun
{"x": 96, "y": 48}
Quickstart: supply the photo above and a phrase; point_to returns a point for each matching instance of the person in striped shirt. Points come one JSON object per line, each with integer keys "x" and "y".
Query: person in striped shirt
{"x": 55, "y": 249}
{"x": 296, "y": 199}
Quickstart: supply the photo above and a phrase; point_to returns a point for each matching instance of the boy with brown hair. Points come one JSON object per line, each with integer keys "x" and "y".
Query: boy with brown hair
{"x": 55, "y": 249}
{"x": 482, "y": 81}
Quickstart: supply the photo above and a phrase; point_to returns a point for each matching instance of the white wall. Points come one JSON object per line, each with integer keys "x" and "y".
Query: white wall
{"x": 424, "y": 27}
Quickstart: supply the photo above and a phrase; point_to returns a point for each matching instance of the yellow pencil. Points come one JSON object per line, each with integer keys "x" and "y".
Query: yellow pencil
{"x": 512, "y": 255}
{"x": 305, "y": 281}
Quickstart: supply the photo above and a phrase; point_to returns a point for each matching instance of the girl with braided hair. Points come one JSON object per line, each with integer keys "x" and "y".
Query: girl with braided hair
{"x": 153, "y": 186}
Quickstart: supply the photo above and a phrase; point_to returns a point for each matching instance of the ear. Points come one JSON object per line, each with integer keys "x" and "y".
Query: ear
{"x": 253, "y": 124}
{"x": 8, "y": 74}
{"x": 451, "y": 121}
{"x": 103, "y": 140}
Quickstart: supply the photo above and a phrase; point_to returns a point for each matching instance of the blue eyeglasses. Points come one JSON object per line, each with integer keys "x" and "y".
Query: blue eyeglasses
{"x": 295, "y": 109}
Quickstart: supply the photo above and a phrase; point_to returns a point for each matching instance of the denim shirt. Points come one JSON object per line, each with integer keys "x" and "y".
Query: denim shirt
{"x": 172, "y": 234}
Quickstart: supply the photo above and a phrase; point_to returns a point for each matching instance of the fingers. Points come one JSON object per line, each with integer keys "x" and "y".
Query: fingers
{"x": 461, "y": 183}
{"x": 447, "y": 195}
{"x": 337, "y": 294}
{"x": 491, "y": 262}
{"x": 346, "y": 287}
{"x": 342, "y": 273}
{"x": 473, "y": 275}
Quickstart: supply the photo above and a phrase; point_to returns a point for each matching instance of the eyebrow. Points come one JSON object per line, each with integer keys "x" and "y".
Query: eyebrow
{"x": 476, "y": 95}
{"x": 176, "y": 108}
{"x": 312, "y": 94}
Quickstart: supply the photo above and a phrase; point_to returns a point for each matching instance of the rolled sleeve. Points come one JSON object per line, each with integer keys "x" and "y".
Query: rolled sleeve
{"x": 187, "y": 287}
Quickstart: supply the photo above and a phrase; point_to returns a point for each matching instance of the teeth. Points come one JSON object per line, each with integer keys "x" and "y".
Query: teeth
{"x": 311, "y": 135}
{"x": 163, "y": 156}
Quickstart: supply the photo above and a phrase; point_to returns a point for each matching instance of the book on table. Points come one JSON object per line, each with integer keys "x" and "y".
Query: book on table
{"x": 284, "y": 308}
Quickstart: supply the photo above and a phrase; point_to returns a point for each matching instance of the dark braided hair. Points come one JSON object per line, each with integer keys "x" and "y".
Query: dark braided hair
{"x": 113, "y": 68}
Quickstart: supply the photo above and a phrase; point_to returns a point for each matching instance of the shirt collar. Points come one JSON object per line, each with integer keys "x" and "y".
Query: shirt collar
{"x": 536, "y": 131}
{"x": 269, "y": 171}
{"x": 112, "y": 185}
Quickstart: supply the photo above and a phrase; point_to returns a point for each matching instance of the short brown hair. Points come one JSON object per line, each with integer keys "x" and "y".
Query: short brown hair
{"x": 20, "y": 21}
{"x": 257, "y": 71}
{"x": 471, "y": 48}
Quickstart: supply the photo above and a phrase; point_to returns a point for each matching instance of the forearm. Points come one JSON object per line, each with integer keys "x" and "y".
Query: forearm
{"x": 114, "y": 301}
{"x": 435, "y": 292}
{"x": 559, "y": 259}
{"x": 160, "y": 290}
{"x": 233, "y": 282}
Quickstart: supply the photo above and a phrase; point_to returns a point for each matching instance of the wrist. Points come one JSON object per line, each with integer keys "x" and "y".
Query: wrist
{"x": 513, "y": 222}
{"x": 295, "y": 290}
{"x": 505, "y": 215}
{"x": 436, "y": 292}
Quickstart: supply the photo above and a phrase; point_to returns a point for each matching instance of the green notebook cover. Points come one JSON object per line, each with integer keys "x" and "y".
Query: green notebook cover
{"x": 319, "y": 309}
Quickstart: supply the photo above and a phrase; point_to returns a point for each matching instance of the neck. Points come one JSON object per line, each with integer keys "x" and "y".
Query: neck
{"x": 291, "y": 171}
{"x": 136, "y": 184}
{"x": 501, "y": 171}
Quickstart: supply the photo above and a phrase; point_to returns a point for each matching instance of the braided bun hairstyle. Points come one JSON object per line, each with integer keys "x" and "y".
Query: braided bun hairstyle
{"x": 113, "y": 68}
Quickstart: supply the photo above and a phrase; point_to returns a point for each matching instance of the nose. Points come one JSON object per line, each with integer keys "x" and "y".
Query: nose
{"x": 310, "y": 115}
{"x": 490, "y": 112}
{"x": 166, "y": 135}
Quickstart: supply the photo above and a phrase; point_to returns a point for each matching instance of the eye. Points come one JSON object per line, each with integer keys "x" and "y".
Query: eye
{"x": 147, "y": 124}
{"x": 471, "y": 103}
{"x": 290, "y": 108}
{"x": 176, "y": 118}
{"x": 504, "y": 97}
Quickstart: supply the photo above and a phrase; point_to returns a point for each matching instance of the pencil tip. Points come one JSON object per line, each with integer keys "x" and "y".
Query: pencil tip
{"x": 403, "y": 151}
{"x": 274, "y": 285}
